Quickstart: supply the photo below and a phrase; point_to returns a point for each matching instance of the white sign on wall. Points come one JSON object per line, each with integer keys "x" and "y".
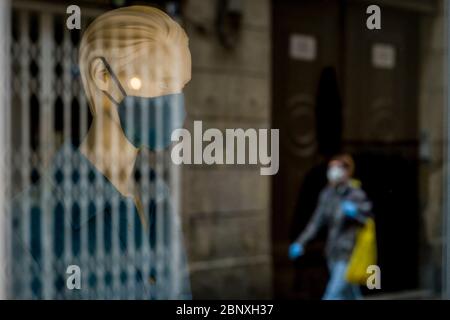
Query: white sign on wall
{"x": 383, "y": 56}
{"x": 302, "y": 47}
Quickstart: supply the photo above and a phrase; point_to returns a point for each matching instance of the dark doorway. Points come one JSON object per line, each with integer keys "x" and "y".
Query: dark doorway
{"x": 371, "y": 113}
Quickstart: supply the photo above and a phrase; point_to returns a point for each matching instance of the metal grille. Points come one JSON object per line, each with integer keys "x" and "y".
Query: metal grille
{"x": 63, "y": 211}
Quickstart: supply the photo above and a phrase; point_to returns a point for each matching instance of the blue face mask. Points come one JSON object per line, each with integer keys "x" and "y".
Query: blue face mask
{"x": 148, "y": 121}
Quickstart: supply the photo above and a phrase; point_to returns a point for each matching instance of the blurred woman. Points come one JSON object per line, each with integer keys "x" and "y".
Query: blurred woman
{"x": 343, "y": 208}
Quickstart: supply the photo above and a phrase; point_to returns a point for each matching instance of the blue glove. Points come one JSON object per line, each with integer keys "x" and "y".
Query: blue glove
{"x": 295, "y": 250}
{"x": 349, "y": 208}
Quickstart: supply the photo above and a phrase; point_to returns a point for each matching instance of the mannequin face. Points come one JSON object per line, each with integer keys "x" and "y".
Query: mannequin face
{"x": 147, "y": 72}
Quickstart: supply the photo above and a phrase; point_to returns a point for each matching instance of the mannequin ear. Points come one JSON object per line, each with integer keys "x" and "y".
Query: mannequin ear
{"x": 99, "y": 74}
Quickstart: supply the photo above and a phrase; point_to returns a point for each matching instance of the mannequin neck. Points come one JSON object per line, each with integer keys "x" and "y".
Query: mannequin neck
{"x": 107, "y": 148}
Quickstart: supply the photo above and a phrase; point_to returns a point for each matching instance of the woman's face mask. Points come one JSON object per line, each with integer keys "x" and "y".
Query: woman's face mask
{"x": 148, "y": 121}
{"x": 335, "y": 174}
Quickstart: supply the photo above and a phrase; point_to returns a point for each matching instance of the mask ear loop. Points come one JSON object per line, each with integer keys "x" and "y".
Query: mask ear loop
{"x": 116, "y": 80}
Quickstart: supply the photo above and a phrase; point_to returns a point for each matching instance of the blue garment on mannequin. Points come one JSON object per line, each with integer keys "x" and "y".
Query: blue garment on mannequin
{"x": 84, "y": 197}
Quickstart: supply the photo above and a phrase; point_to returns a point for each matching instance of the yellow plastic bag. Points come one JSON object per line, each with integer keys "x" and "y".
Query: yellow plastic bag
{"x": 364, "y": 254}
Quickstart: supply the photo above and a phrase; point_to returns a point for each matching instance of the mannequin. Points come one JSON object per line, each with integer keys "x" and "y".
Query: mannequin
{"x": 126, "y": 240}
{"x": 149, "y": 54}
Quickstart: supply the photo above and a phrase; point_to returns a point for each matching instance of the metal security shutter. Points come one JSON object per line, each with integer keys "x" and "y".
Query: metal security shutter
{"x": 48, "y": 111}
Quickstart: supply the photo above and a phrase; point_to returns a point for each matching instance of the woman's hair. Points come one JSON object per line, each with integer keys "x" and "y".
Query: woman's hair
{"x": 347, "y": 161}
{"x": 119, "y": 34}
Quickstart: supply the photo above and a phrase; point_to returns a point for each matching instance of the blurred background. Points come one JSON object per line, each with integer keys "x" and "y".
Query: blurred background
{"x": 310, "y": 68}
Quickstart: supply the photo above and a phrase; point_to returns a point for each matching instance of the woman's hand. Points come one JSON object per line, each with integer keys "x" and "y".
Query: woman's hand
{"x": 295, "y": 250}
{"x": 349, "y": 208}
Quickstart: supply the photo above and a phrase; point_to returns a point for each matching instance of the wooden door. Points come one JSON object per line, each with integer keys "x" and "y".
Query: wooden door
{"x": 305, "y": 43}
{"x": 338, "y": 86}
{"x": 381, "y": 130}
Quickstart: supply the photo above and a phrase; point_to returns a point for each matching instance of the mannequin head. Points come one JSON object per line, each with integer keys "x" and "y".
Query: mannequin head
{"x": 145, "y": 49}
{"x": 133, "y": 53}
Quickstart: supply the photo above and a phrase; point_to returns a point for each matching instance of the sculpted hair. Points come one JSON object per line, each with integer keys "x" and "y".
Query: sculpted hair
{"x": 119, "y": 35}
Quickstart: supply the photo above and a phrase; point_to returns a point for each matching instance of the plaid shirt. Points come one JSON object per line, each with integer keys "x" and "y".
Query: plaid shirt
{"x": 107, "y": 238}
{"x": 342, "y": 230}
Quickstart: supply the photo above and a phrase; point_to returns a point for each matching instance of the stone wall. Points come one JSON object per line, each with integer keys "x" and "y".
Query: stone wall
{"x": 226, "y": 216}
{"x": 431, "y": 118}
